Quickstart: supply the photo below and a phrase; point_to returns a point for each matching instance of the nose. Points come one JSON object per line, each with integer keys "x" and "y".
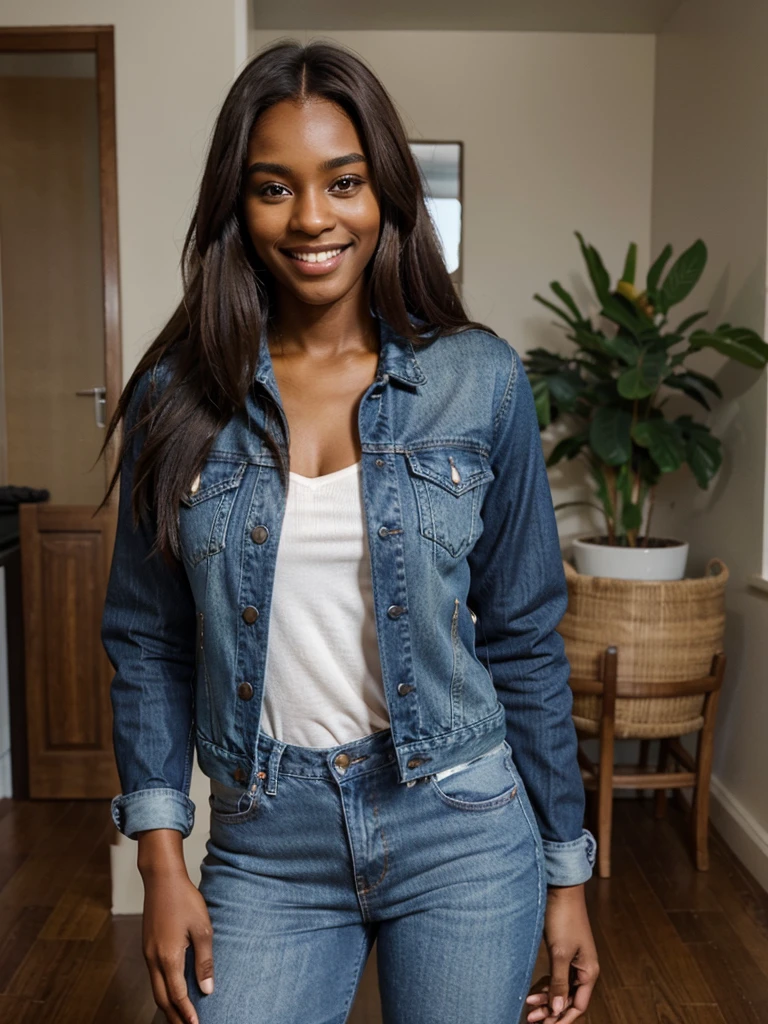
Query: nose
{"x": 311, "y": 212}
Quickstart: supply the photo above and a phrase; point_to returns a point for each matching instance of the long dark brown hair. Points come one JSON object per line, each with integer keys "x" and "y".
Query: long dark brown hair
{"x": 212, "y": 339}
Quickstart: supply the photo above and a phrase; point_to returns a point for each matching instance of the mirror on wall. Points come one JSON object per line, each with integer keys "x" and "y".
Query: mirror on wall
{"x": 440, "y": 164}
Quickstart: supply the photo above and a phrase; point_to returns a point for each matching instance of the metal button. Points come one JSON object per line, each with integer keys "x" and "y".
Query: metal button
{"x": 404, "y": 688}
{"x": 383, "y": 531}
{"x": 245, "y": 691}
{"x": 259, "y": 534}
{"x": 341, "y": 761}
{"x": 238, "y": 775}
{"x": 380, "y": 462}
{"x": 250, "y": 614}
{"x": 395, "y": 611}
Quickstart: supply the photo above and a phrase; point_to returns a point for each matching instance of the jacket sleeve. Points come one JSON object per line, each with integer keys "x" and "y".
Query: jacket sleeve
{"x": 148, "y": 632}
{"x": 519, "y": 593}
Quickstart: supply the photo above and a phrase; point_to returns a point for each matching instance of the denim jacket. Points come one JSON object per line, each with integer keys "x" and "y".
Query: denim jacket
{"x": 468, "y": 590}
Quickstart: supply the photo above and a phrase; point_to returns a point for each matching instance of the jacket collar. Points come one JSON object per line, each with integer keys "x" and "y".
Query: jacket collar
{"x": 397, "y": 357}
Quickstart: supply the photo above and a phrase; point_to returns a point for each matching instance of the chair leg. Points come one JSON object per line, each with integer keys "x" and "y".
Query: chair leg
{"x": 700, "y": 802}
{"x": 660, "y": 808}
{"x": 642, "y": 763}
{"x": 605, "y": 806}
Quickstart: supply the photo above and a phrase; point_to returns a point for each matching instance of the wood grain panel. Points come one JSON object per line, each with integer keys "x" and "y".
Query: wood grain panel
{"x": 66, "y": 552}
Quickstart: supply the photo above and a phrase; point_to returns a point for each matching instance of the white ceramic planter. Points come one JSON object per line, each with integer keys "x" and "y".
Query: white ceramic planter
{"x": 666, "y": 560}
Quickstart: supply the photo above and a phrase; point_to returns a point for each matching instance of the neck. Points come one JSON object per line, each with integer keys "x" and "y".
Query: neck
{"x": 298, "y": 328}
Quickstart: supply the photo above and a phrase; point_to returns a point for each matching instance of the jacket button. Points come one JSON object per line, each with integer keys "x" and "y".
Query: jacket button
{"x": 341, "y": 761}
{"x": 415, "y": 762}
{"x": 245, "y": 691}
{"x": 259, "y": 534}
{"x": 395, "y": 611}
{"x": 404, "y": 688}
{"x": 383, "y": 531}
{"x": 238, "y": 775}
{"x": 250, "y": 614}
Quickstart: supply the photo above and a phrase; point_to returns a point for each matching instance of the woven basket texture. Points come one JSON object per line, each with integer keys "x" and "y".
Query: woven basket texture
{"x": 665, "y": 631}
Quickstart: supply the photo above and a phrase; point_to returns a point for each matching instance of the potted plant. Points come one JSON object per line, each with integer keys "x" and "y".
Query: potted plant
{"x": 610, "y": 387}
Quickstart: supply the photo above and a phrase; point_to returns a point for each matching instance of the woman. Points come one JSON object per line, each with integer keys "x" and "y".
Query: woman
{"x": 399, "y": 762}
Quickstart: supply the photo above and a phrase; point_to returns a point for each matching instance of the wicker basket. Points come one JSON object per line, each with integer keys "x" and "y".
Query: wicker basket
{"x": 665, "y": 631}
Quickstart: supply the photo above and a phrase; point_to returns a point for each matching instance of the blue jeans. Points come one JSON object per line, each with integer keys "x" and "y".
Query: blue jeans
{"x": 330, "y": 852}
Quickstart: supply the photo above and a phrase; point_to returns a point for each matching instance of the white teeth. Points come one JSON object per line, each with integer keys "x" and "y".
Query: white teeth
{"x": 315, "y": 257}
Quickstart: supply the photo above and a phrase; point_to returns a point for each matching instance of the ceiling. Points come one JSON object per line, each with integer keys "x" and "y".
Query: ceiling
{"x": 482, "y": 15}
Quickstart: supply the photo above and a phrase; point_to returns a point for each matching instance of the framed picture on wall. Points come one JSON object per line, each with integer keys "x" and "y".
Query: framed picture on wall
{"x": 441, "y": 166}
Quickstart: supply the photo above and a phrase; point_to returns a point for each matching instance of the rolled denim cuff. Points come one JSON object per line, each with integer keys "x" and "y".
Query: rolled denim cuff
{"x": 570, "y": 863}
{"x": 153, "y": 808}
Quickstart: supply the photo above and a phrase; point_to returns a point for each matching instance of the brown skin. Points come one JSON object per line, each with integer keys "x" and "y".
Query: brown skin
{"x": 324, "y": 353}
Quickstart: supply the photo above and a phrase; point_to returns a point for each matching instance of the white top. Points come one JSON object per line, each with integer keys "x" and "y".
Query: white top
{"x": 323, "y": 682}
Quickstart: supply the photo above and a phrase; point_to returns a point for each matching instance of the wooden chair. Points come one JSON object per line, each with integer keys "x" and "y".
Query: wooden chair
{"x": 601, "y": 779}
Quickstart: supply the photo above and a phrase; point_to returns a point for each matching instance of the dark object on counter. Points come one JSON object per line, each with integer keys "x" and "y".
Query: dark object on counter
{"x": 11, "y": 497}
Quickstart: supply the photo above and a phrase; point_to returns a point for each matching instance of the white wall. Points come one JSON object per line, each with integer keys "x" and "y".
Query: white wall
{"x": 709, "y": 181}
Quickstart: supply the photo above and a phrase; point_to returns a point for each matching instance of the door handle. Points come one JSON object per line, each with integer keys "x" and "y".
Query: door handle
{"x": 99, "y": 403}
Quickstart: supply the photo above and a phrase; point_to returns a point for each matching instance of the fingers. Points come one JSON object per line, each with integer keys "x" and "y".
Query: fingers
{"x": 169, "y": 988}
{"x": 203, "y": 943}
{"x": 161, "y": 997}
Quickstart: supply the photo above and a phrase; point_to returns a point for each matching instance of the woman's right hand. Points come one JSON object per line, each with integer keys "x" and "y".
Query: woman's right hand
{"x": 175, "y": 916}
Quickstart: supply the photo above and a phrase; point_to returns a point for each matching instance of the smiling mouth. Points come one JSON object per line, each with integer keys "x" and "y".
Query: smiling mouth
{"x": 321, "y": 256}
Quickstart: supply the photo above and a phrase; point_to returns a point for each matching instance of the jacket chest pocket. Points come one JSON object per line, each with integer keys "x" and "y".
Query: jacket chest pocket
{"x": 449, "y": 485}
{"x": 205, "y": 509}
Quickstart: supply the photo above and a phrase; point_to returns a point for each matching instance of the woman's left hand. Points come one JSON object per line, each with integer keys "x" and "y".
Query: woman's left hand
{"x": 571, "y": 947}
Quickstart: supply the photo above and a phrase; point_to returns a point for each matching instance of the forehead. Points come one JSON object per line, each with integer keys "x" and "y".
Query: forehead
{"x": 309, "y": 130}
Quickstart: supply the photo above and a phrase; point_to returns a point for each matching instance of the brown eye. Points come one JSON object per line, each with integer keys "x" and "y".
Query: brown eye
{"x": 352, "y": 182}
{"x": 270, "y": 195}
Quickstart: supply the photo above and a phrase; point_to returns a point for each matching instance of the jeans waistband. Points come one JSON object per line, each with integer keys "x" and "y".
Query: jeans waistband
{"x": 346, "y": 760}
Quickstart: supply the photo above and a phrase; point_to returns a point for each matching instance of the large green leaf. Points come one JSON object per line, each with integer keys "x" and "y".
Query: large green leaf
{"x": 655, "y": 271}
{"x": 567, "y": 299}
{"x": 555, "y": 309}
{"x": 683, "y": 275}
{"x": 565, "y": 388}
{"x": 623, "y": 348}
{"x": 542, "y": 400}
{"x": 703, "y": 452}
{"x": 597, "y": 272}
{"x": 568, "y": 448}
{"x": 664, "y": 441}
{"x": 628, "y": 274}
{"x": 684, "y": 383}
{"x": 609, "y": 435}
{"x": 739, "y": 343}
{"x": 622, "y": 312}
{"x": 643, "y": 379}
{"x": 689, "y": 322}
{"x": 706, "y": 382}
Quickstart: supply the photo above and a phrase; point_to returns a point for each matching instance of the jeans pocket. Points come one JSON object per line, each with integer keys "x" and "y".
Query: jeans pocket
{"x": 230, "y": 805}
{"x": 483, "y": 784}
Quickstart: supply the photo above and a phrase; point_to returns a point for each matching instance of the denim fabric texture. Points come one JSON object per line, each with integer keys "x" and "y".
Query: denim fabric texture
{"x": 330, "y": 853}
{"x": 468, "y": 589}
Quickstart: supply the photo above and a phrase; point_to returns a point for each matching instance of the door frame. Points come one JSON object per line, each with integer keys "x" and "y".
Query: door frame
{"x": 100, "y": 40}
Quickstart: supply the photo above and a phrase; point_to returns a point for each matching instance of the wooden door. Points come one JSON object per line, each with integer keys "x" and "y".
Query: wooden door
{"x": 60, "y": 344}
{"x": 65, "y": 556}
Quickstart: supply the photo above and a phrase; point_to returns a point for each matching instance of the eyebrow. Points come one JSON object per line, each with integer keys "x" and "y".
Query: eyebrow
{"x": 328, "y": 165}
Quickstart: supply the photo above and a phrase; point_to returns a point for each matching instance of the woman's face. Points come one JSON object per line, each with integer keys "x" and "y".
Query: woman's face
{"x": 296, "y": 205}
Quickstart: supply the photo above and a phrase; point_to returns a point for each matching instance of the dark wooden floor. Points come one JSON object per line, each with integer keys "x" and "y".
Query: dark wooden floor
{"x": 676, "y": 946}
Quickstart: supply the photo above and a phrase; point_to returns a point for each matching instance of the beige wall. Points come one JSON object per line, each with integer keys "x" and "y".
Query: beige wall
{"x": 174, "y": 62}
{"x": 709, "y": 181}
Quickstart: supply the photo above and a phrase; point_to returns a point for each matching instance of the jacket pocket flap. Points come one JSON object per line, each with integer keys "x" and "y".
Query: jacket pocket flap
{"x": 217, "y": 476}
{"x": 457, "y": 470}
